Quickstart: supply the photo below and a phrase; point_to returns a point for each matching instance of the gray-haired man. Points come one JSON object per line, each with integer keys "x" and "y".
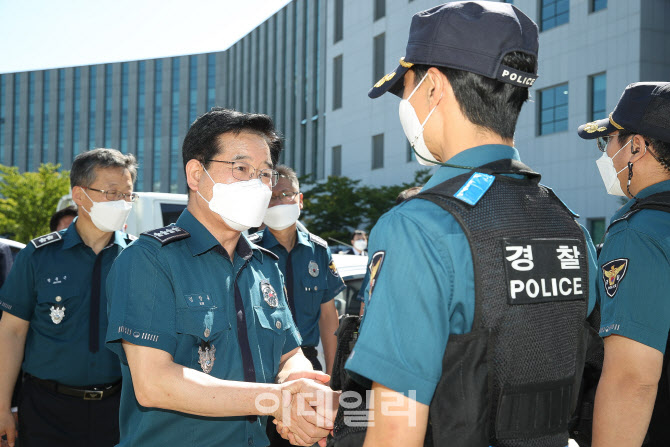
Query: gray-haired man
{"x": 54, "y": 318}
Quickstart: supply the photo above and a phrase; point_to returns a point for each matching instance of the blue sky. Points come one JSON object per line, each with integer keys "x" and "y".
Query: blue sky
{"x": 40, "y": 34}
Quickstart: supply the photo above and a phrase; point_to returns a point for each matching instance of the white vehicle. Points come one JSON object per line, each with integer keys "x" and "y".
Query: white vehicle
{"x": 150, "y": 210}
{"x": 14, "y": 246}
{"x": 352, "y": 270}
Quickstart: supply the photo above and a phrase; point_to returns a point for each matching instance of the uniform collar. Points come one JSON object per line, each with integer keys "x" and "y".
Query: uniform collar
{"x": 475, "y": 156}
{"x": 71, "y": 237}
{"x": 269, "y": 239}
{"x": 646, "y": 192}
{"x": 201, "y": 240}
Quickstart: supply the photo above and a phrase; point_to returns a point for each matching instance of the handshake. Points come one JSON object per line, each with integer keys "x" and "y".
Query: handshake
{"x": 307, "y": 408}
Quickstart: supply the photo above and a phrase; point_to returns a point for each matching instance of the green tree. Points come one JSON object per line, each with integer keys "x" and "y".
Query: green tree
{"x": 28, "y": 200}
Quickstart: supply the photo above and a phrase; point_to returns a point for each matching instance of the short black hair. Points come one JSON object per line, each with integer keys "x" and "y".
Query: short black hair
{"x": 201, "y": 141}
{"x": 58, "y": 215}
{"x": 660, "y": 150}
{"x": 487, "y": 102}
{"x": 359, "y": 233}
{"x": 84, "y": 165}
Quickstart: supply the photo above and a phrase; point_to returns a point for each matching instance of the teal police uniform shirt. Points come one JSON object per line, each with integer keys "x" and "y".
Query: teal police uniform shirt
{"x": 422, "y": 288}
{"x": 634, "y": 275}
{"x": 50, "y": 287}
{"x": 315, "y": 278}
{"x": 176, "y": 296}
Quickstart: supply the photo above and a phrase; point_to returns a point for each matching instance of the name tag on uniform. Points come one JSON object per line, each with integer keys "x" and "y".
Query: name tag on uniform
{"x": 543, "y": 270}
{"x": 198, "y": 300}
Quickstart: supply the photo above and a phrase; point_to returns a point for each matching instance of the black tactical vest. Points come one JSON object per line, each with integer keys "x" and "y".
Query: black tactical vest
{"x": 513, "y": 380}
{"x": 658, "y": 434}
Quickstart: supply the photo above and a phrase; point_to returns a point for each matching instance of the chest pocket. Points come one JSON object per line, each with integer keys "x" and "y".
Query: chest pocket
{"x": 274, "y": 324}
{"x": 195, "y": 326}
{"x": 314, "y": 289}
{"x": 58, "y": 302}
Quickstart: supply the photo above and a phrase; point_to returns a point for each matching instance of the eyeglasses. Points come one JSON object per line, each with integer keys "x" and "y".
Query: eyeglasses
{"x": 284, "y": 197}
{"x": 113, "y": 195}
{"x": 602, "y": 142}
{"x": 244, "y": 171}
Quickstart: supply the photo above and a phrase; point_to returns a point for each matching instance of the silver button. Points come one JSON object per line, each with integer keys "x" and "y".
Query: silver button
{"x": 306, "y": 289}
{"x": 207, "y": 332}
{"x": 59, "y": 299}
{"x": 278, "y": 324}
{"x": 316, "y": 288}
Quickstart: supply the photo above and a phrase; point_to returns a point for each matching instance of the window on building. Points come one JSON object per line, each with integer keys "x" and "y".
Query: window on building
{"x": 378, "y": 56}
{"x": 124, "y": 108}
{"x": 158, "y": 119}
{"x": 108, "y": 106}
{"x": 211, "y": 81}
{"x": 338, "y": 26}
{"x": 337, "y": 82}
{"x": 46, "y": 104}
{"x": 554, "y": 13}
{"x": 596, "y": 229}
{"x": 597, "y": 89}
{"x": 76, "y": 119}
{"x": 597, "y": 5}
{"x": 60, "y": 126}
{"x": 379, "y": 9}
{"x": 378, "y": 151}
{"x": 174, "y": 125}
{"x": 92, "y": 83}
{"x": 141, "y": 104}
{"x": 336, "y": 169}
{"x": 192, "y": 89}
{"x": 553, "y": 109}
{"x": 31, "y": 121}
{"x": 16, "y": 144}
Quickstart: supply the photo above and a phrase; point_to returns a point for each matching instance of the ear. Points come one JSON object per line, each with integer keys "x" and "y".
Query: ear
{"x": 300, "y": 201}
{"x": 436, "y": 85}
{"x": 638, "y": 148}
{"x": 78, "y": 195}
{"x": 194, "y": 170}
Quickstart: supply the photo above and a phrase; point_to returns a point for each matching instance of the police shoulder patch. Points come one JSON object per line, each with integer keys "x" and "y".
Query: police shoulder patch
{"x": 46, "y": 239}
{"x": 375, "y": 267}
{"x": 613, "y": 273}
{"x": 317, "y": 240}
{"x": 167, "y": 235}
{"x": 267, "y": 252}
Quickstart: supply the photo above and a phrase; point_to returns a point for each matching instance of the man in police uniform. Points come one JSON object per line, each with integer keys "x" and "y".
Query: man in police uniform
{"x": 197, "y": 313}
{"x": 478, "y": 285}
{"x": 632, "y": 399}
{"x": 312, "y": 280}
{"x": 54, "y": 303}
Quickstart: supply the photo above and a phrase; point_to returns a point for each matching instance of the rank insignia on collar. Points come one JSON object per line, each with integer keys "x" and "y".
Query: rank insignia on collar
{"x": 613, "y": 273}
{"x": 375, "y": 268}
{"x": 57, "y": 314}
{"x": 206, "y": 356}
{"x": 313, "y": 269}
{"x": 269, "y": 294}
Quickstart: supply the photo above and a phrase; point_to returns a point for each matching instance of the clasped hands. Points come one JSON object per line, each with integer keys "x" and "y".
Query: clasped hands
{"x": 307, "y": 409}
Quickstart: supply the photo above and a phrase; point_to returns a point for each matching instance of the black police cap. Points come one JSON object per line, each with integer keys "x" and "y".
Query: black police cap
{"x": 644, "y": 108}
{"x": 471, "y": 36}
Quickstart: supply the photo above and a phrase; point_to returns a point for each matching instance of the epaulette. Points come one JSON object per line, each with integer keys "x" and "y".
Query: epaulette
{"x": 167, "y": 235}
{"x": 131, "y": 237}
{"x": 255, "y": 238}
{"x": 268, "y": 252}
{"x": 46, "y": 239}
{"x": 317, "y": 240}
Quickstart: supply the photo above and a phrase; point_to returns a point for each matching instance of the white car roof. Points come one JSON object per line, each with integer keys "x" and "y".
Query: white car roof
{"x": 350, "y": 266}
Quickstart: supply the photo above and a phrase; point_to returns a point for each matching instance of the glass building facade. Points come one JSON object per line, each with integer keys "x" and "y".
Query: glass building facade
{"x": 145, "y": 107}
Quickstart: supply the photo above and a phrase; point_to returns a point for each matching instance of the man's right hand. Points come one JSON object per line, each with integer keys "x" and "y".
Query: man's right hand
{"x": 8, "y": 428}
{"x": 307, "y": 410}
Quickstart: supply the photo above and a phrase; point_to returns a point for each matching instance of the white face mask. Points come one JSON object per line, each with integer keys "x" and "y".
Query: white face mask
{"x": 109, "y": 216}
{"x": 241, "y": 205}
{"x": 609, "y": 174}
{"x": 360, "y": 244}
{"x": 281, "y": 217}
{"x": 414, "y": 129}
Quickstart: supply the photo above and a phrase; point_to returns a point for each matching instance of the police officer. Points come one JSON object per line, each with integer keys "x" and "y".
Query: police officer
{"x": 312, "y": 280}
{"x": 479, "y": 284}
{"x": 197, "y": 313}
{"x": 54, "y": 304}
{"x": 634, "y": 269}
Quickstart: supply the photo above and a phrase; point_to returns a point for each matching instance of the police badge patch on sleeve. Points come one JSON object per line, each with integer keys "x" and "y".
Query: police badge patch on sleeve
{"x": 333, "y": 269}
{"x": 613, "y": 273}
{"x": 375, "y": 268}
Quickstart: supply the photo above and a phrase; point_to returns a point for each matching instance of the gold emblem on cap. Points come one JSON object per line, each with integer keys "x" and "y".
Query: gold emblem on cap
{"x": 384, "y": 79}
{"x": 405, "y": 64}
{"x": 593, "y": 127}
{"x": 615, "y": 124}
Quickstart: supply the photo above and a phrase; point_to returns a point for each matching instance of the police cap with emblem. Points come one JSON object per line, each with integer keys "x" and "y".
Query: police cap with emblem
{"x": 471, "y": 36}
{"x": 644, "y": 108}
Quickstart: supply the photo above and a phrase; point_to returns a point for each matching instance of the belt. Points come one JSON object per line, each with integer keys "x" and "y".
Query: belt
{"x": 93, "y": 392}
